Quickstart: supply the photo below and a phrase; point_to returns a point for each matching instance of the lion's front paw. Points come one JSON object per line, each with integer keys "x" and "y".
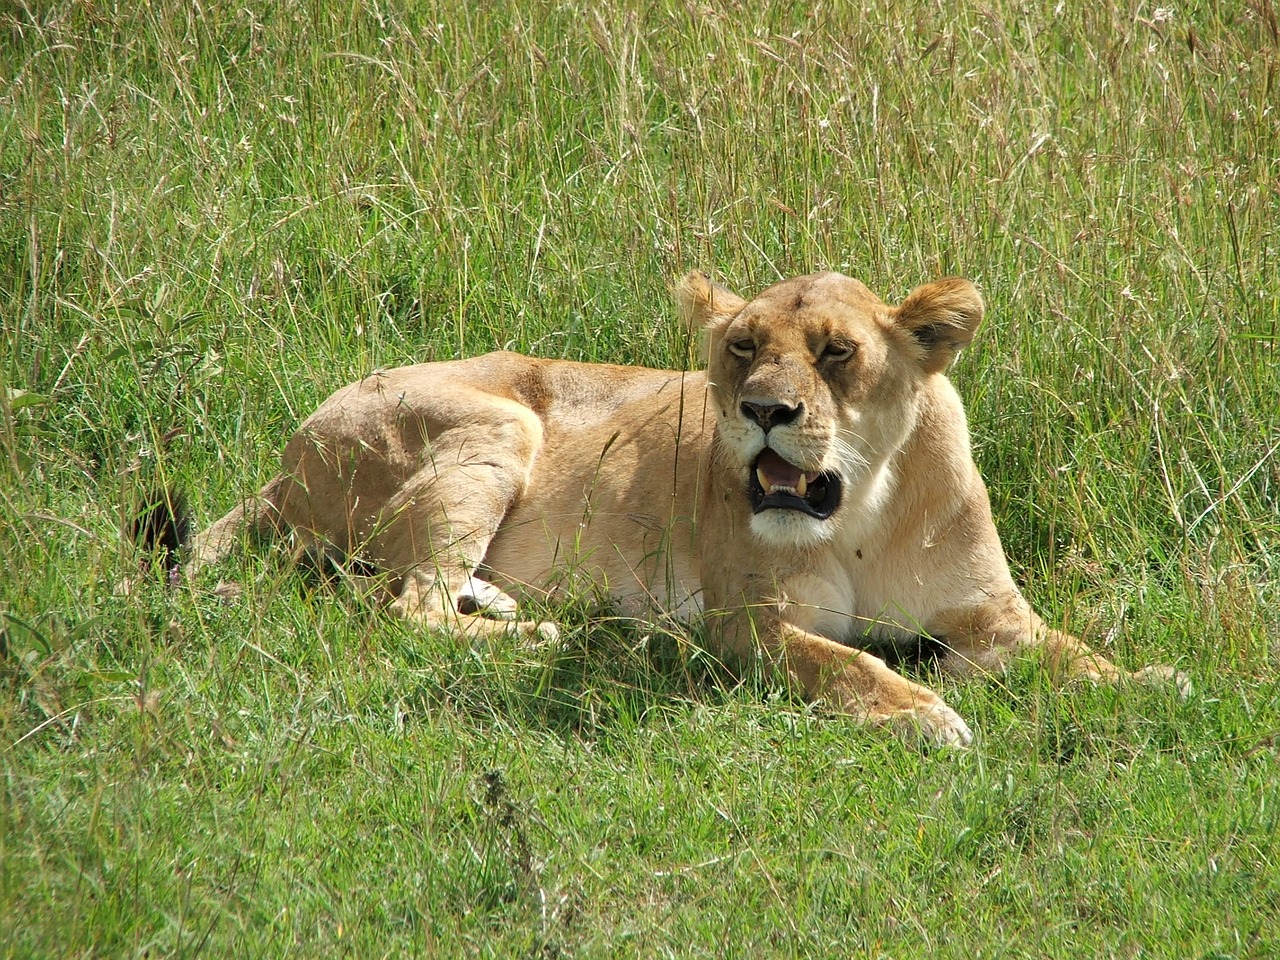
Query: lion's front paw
{"x": 883, "y": 698}
{"x": 934, "y": 722}
{"x": 1161, "y": 675}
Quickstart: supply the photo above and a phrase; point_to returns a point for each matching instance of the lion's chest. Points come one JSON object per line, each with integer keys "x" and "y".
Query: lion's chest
{"x": 853, "y": 609}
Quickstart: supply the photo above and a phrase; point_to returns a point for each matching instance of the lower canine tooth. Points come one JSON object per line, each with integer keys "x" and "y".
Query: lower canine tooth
{"x": 803, "y": 486}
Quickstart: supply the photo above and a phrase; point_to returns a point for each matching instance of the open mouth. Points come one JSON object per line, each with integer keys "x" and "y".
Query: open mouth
{"x": 779, "y": 485}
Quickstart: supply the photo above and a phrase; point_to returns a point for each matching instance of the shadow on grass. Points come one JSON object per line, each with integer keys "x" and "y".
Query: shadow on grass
{"x": 603, "y": 676}
{"x": 609, "y": 675}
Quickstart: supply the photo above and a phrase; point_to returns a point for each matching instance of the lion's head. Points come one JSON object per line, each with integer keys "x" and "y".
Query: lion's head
{"x": 815, "y": 384}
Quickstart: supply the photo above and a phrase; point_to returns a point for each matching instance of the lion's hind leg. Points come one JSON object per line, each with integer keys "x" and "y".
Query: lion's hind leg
{"x": 475, "y": 609}
{"x": 478, "y": 597}
{"x": 432, "y": 535}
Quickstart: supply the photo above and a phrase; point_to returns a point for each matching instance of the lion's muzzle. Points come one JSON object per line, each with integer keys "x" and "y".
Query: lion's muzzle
{"x": 778, "y": 485}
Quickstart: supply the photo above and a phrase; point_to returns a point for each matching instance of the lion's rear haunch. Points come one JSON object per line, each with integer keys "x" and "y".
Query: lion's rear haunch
{"x": 161, "y": 528}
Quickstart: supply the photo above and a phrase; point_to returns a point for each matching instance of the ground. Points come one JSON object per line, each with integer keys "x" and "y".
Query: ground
{"x": 215, "y": 215}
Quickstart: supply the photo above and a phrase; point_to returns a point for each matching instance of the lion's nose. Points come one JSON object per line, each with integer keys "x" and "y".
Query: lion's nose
{"x": 770, "y": 415}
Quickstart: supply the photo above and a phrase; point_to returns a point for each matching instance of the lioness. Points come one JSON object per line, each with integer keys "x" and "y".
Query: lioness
{"x": 813, "y": 488}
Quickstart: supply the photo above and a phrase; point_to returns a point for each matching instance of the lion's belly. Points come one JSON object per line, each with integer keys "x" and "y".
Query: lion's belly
{"x": 637, "y": 562}
{"x": 607, "y": 513}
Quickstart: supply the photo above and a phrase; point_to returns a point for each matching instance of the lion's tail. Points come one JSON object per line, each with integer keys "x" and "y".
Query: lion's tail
{"x": 162, "y": 527}
{"x": 258, "y": 518}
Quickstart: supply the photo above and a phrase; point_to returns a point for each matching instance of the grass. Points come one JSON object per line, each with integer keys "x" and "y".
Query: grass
{"x": 211, "y": 216}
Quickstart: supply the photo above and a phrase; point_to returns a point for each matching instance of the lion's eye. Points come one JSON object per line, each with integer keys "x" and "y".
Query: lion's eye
{"x": 839, "y": 350}
{"x": 746, "y": 349}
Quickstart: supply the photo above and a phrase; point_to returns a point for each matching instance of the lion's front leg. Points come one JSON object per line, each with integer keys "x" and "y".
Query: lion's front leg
{"x": 987, "y": 638}
{"x": 859, "y": 684}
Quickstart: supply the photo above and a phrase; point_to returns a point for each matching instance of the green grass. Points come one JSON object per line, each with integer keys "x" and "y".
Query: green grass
{"x": 213, "y": 215}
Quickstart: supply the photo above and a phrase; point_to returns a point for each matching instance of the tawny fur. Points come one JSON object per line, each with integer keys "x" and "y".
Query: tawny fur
{"x": 476, "y": 483}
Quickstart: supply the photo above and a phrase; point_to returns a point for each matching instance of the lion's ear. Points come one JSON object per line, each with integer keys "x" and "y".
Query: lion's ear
{"x": 704, "y": 303}
{"x": 942, "y": 317}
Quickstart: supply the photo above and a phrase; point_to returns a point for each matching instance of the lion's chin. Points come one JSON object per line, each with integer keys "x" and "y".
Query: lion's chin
{"x": 791, "y": 529}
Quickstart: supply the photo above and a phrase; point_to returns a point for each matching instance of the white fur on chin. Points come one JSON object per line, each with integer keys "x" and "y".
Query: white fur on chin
{"x": 791, "y": 528}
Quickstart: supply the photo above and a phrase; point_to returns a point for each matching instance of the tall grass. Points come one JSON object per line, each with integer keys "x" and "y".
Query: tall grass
{"x": 212, "y": 215}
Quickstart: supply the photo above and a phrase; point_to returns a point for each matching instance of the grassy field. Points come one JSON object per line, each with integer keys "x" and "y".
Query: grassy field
{"x": 213, "y": 214}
